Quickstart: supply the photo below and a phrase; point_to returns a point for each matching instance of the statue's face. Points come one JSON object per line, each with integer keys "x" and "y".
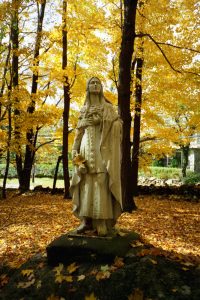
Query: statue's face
{"x": 94, "y": 86}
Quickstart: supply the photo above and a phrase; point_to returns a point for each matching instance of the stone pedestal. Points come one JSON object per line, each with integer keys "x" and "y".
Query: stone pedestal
{"x": 79, "y": 247}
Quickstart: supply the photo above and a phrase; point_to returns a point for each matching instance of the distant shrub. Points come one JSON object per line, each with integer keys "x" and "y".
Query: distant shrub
{"x": 12, "y": 171}
{"x": 192, "y": 178}
{"x": 158, "y": 163}
{"x": 165, "y": 172}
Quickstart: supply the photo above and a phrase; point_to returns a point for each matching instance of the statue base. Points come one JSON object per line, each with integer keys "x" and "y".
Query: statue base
{"x": 88, "y": 247}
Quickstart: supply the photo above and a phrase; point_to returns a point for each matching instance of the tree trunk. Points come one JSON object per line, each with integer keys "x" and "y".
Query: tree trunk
{"x": 30, "y": 136}
{"x": 56, "y": 174}
{"x": 15, "y": 81}
{"x": 66, "y": 90}
{"x": 185, "y": 151}
{"x": 8, "y": 151}
{"x": 124, "y": 94}
{"x": 3, "y": 82}
{"x": 137, "y": 122}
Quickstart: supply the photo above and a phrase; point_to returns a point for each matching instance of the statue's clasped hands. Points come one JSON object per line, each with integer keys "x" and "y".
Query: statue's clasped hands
{"x": 93, "y": 119}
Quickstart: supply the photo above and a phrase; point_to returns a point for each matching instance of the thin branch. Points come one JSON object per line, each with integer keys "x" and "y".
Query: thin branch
{"x": 178, "y": 47}
{"x": 24, "y": 59}
{"x": 2, "y": 117}
{"x": 28, "y": 32}
{"x": 118, "y": 7}
{"x": 75, "y": 69}
{"x": 59, "y": 101}
{"x": 114, "y": 73}
{"x": 46, "y": 50}
{"x": 143, "y": 16}
{"x": 3, "y": 50}
{"x": 148, "y": 138}
{"x": 25, "y": 7}
{"x": 39, "y": 127}
{"x": 25, "y": 77}
{"x": 164, "y": 55}
{"x": 46, "y": 86}
{"x": 49, "y": 142}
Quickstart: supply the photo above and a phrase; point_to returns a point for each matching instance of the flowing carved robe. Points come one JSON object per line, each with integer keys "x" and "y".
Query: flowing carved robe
{"x": 97, "y": 194}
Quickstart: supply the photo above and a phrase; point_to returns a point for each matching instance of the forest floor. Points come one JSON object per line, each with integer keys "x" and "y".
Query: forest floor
{"x": 164, "y": 263}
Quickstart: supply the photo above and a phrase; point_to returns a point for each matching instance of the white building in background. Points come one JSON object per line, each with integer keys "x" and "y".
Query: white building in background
{"x": 194, "y": 155}
{"x": 193, "y": 159}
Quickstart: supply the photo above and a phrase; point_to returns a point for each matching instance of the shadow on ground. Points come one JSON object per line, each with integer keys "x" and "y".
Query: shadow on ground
{"x": 144, "y": 273}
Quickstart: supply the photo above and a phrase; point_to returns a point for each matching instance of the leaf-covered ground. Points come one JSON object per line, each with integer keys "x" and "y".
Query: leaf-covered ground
{"x": 170, "y": 235}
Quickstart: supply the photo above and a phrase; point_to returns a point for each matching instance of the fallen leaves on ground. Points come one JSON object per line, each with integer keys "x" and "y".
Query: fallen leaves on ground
{"x": 29, "y": 280}
{"x": 167, "y": 224}
{"x": 28, "y": 223}
{"x": 53, "y": 297}
{"x": 81, "y": 277}
{"x": 27, "y": 272}
{"x": 4, "y": 279}
{"x": 72, "y": 268}
{"x": 118, "y": 262}
{"x": 136, "y": 295}
{"x": 64, "y": 274}
{"x": 90, "y": 297}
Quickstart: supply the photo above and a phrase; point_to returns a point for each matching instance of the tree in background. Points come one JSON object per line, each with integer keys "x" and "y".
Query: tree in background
{"x": 138, "y": 66}
{"x": 25, "y": 119}
{"x": 5, "y": 106}
{"x": 124, "y": 98}
{"x": 79, "y": 39}
{"x": 24, "y": 169}
{"x": 169, "y": 65}
{"x": 181, "y": 117}
{"x": 95, "y": 30}
{"x": 40, "y": 105}
{"x": 66, "y": 90}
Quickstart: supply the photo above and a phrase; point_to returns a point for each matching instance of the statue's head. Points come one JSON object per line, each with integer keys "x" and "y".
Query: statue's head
{"x": 94, "y": 87}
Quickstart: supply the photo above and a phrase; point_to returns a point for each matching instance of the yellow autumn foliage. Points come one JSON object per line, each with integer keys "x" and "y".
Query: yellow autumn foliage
{"x": 170, "y": 100}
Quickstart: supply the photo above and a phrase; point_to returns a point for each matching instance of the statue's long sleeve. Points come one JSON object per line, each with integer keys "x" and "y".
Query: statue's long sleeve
{"x": 78, "y": 139}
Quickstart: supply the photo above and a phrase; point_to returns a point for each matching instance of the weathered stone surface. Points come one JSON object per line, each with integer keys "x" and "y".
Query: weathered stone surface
{"x": 83, "y": 247}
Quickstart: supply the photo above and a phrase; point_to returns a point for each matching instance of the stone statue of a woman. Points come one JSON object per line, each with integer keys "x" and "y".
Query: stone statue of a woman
{"x": 96, "y": 152}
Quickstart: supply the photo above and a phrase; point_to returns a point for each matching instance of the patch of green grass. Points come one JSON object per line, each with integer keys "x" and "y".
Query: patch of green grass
{"x": 165, "y": 173}
{"x": 41, "y": 170}
{"x": 45, "y": 182}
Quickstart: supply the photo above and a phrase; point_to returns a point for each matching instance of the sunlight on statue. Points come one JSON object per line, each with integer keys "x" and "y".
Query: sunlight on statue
{"x": 96, "y": 153}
